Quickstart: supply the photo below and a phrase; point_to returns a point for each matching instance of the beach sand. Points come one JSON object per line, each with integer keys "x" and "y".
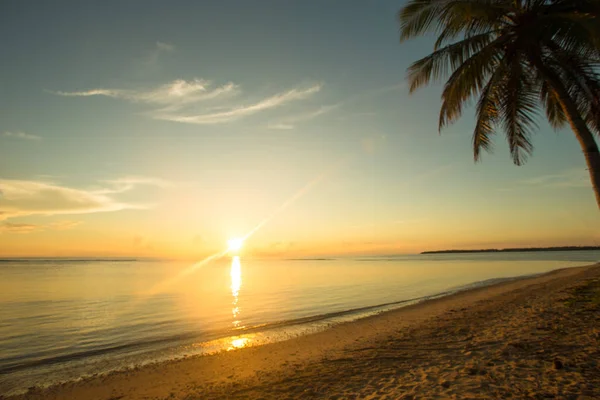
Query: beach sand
{"x": 531, "y": 338}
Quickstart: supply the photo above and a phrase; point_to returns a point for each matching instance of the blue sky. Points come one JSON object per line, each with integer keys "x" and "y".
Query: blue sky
{"x": 164, "y": 128}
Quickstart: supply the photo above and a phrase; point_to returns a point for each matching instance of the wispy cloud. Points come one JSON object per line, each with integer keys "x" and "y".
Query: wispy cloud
{"x": 174, "y": 95}
{"x": 193, "y": 102}
{"x": 21, "y": 135}
{"x": 292, "y": 121}
{"x": 186, "y": 101}
{"x": 21, "y": 198}
{"x": 10, "y": 227}
{"x": 124, "y": 184}
{"x": 245, "y": 110}
{"x": 18, "y": 228}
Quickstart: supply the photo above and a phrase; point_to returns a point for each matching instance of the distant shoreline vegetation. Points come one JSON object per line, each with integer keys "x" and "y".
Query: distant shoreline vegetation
{"x": 516, "y": 249}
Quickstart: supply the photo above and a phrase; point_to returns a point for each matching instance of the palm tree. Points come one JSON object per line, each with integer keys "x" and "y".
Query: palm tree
{"x": 515, "y": 56}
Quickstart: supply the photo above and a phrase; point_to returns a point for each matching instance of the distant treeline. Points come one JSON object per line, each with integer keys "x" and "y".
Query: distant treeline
{"x": 517, "y": 249}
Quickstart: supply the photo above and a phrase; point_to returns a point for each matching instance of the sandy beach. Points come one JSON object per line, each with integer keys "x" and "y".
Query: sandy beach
{"x": 531, "y": 338}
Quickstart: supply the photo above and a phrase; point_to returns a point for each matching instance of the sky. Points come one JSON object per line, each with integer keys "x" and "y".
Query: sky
{"x": 163, "y": 129}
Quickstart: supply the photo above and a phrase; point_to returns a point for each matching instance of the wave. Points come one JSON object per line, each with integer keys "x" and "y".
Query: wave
{"x": 19, "y": 363}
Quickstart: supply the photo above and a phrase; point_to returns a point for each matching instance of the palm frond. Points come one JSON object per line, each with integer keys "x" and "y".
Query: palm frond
{"x": 579, "y": 6}
{"x": 450, "y": 17}
{"x": 417, "y": 16}
{"x": 573, "y": 33}
{"x": 518, "y": 106}
{"x": 573, "y": 24}
{"x": 467, "y": 80}
{"x": 440, "y": 62}
{"x": 582, "y": 80}
{"x": 554, "y": 111}
{"x": 488, "y": 112}
{"x": 468, "y": 18}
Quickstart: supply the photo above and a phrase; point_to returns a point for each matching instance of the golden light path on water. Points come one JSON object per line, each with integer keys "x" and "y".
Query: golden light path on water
{"x": 236, "y": 284}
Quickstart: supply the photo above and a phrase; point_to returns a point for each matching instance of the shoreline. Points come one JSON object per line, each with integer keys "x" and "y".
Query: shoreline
{"x": 253, "y": 336}
{"x": 225, "y": 373}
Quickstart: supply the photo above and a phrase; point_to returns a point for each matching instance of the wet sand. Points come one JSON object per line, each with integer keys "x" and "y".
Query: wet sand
{"x": 531, "y": 338}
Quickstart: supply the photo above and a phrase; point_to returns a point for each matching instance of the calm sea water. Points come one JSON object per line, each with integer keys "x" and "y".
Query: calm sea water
{"x": 64, "y": 319}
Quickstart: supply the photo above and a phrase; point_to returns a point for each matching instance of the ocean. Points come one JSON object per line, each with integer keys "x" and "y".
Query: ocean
{"x": 64, "y": 319}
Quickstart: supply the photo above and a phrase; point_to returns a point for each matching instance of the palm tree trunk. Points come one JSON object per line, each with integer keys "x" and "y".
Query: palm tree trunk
{"x": 582, "y": 132}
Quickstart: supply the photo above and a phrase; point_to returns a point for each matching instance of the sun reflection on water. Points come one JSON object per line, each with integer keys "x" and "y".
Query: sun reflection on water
{"x": 236, "y": 284}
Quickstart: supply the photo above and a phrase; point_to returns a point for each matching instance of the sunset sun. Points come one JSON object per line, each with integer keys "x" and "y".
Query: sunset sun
{"x": 235, "y": 244}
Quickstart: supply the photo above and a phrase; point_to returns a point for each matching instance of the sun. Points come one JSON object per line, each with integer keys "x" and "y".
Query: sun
{"x": 235, "y": 244}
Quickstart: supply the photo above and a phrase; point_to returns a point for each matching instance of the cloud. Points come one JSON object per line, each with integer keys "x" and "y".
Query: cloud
{"x": 21, "y": 135}
{"x": 290, "y": 122}
{"x": 20, "y": 198}
{"x": 569, "y": 178}
{"x": 18, "y": 228}
{"x": 93, "y": 92}
{"x": 192, "y": 101}
{"x": 173, "y": 95}
{"x": 10, "y": 227}
{"x": 124, "y": 184}
{"x": 185, "y": 101}
{"x": 245, "y": 110}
